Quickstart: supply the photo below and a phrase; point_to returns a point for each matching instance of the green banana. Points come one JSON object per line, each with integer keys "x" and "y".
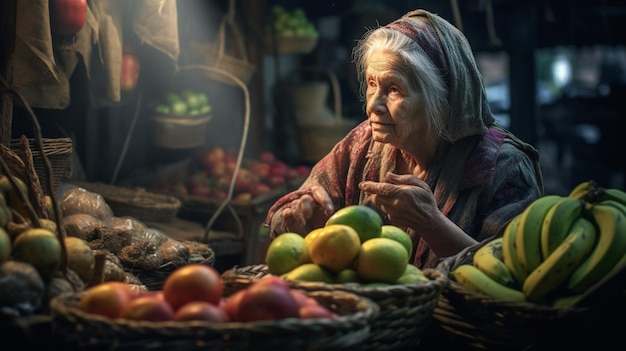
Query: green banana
{"x": 559, "y": 265}
{"x": 614, "y": 195}
{"x": 608, "y": 251}
{"x": 488, "y": 258}
{"x": 473, "y": 279}
{"x": 558, "y": 222}
{"x": 509, "y": 250}
{"x": 528, "y": 239}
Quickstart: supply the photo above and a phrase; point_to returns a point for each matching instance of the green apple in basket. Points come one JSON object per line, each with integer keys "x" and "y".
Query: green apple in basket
{"x": 291, "y": 23}
{"x": 184, "y": 103}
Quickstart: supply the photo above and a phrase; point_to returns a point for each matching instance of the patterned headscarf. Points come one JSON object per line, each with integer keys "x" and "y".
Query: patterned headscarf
{"x": 450, "y": 51}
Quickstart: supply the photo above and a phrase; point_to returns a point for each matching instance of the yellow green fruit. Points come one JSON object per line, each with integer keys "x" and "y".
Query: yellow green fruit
{"x": 5, "y": 245}
{"x": 412, "y": 274}
{"x": 335, "y": 247}
{"x": 286, "y": 252}
{"x": 310, "y": 272}
{"x": 398, "y": 234}
{"x": 365, "y": 220}
{"x": 381, "y": 260}
{"x": 41, "y": 248}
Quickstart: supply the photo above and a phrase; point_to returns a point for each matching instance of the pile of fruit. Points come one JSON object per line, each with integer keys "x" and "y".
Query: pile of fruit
{"x": 194, "y": 292}
{"x": 211, "y": 174}
{"x": 553, "y": 252}
{"x": 185, "y": 103}
{"x": 353, "y": 247}
{"x": 294, "y": 23}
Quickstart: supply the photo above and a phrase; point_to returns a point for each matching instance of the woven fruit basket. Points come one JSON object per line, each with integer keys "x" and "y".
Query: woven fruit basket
{"x": 470, "y": 320}
{"x": 136, "y": 202}
{"x": 405, "y": 310}
{"x": 88, "y": 331}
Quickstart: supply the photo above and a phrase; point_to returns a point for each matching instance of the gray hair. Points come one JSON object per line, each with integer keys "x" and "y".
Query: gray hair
{"x": 424, "y": 75}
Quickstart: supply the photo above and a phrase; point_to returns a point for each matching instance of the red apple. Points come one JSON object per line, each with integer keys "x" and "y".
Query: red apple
{"x": 148, "y": 308}
{"x": 267, "y": 157}
{"x": 201, "y": 311}
{"x": 212, "y": 156}
{"x": 244, "y": 180}
{"x": 67, "y": 17}
{"x": 279, "y": 168}
{"x": 231, "y": 304}
{"x": 259, "y": 189}
{"x": 107, "y": 299}
{"x": 130, "y": 72}
{"x": 267, "y": 299}
{"x": 193, "y": 282}
{"x": 261, "y": 169}
{"x": 201, "y": 190}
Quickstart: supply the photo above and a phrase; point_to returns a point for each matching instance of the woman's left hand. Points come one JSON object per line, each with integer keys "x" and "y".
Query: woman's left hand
{"x": 407, "y": 200}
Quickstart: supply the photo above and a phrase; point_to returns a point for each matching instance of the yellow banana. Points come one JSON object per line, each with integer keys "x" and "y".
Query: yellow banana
{"x": 559, "y": 265}
{"x": 608, "y": 251}
{"x": 583, "y": 190}
{"x": 473, "y": 279}
{"x": 488, "y": 258}
{"x": 509, "y": 250}
{"x": 556, "y": 226}
{"x": 528, "y": 239}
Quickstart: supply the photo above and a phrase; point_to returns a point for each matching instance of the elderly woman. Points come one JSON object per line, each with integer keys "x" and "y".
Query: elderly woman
{"x": 430, "y": 157}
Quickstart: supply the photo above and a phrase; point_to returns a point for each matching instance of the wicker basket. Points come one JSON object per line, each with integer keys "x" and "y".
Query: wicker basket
{"x": 289, "y": 45}
{"x": 88, "y": 331}
{"x": 136, "y": 202}
{"x": 405, "y": 310}
{"x": 58, "y": 151}
{"x": 471, "y": 320}
{"x": 177, "y": 132}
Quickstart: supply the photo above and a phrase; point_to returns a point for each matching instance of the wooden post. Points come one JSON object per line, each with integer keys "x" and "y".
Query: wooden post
{"x": 7, "y": 45}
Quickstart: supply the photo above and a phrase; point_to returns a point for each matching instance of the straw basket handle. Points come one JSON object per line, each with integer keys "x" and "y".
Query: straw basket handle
{"x": 334, "y": 82}
{"x": 229, "y": 20}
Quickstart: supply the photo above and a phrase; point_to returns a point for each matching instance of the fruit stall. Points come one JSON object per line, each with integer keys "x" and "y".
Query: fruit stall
{"x": 166, "y": 248}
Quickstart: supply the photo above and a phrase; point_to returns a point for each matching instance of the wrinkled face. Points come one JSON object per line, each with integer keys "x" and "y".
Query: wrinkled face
{"x": 393, "y": 106}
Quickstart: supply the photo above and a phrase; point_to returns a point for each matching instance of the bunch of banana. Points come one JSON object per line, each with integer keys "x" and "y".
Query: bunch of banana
{"x": 554, "y": 250}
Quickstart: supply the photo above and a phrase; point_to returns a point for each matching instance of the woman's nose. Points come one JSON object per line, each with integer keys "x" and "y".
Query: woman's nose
{"x": 377, "y": 104}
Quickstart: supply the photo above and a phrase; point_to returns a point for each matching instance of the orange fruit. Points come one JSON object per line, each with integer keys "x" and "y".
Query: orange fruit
{"x": 286, "y": 252}
{"x": 310, "y": 272}
{"x": 365, "y": 220}
{"x": 381, "y": 260}
{"x": 335, "y": 247}
{"x": 398, "y": 234}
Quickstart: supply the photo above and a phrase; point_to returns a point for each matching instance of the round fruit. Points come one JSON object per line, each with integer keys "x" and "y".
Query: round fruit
{"x": 193, "y": 282}
{"x": 365, "y": 220}
{"x": 80, "y": 257}
{"x": 108, "y": 299}
{"x": 412, "y": 274}
{"x": 286, "y": 252}
{"x": 310, "y": 272}
{"x": 148, "y": 308}
{"x": 5, "y": 245}
{"x": 398, "y": 234}
{"x": 201, "y": 311}
{"x": 39, "y": 247}
{"x": 335, "y": 247}
{"x": 347, "y": 275}
{"x": 381, "y": 260}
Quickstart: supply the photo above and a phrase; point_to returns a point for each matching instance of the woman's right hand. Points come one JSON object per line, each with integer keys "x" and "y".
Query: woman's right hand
{"x": 309, "y": 212}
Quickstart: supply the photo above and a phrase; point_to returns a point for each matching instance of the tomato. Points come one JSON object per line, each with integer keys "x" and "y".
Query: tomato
{"x": 67, "y": 17}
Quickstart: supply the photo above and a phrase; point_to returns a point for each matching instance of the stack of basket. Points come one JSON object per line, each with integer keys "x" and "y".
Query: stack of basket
{"x": 405, "y": 310}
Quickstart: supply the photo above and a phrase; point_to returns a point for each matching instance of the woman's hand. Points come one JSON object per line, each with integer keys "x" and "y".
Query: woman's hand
{"x": 407, "y": 200}
{"x": 308, "y": 212}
